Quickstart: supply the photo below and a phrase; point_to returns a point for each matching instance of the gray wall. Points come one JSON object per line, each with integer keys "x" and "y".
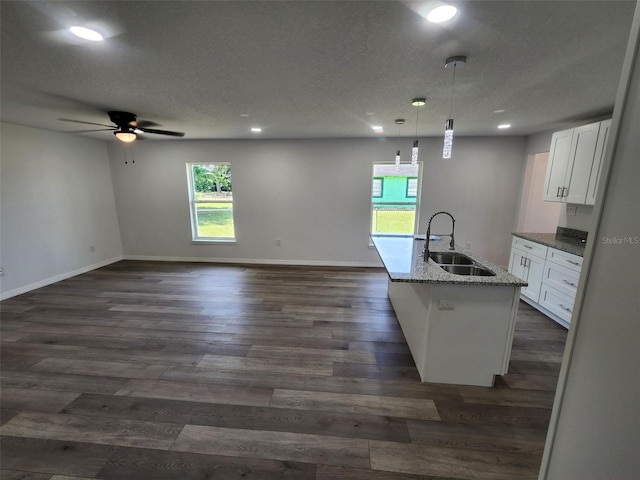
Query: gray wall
{"x": 595, "y": 429}
{"x": 314, "y": 195}
{"x": 57, "y": 200}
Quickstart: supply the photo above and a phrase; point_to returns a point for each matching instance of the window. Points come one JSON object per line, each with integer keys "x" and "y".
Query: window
{"x": 412, "y": 187}
{"x": 211, "y": 197}
{"x": 394, "y": 208}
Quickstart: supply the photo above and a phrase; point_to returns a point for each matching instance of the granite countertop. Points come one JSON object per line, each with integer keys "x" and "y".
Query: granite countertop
{"x": 403, "y": 258}
{"x": 570, "y": 244}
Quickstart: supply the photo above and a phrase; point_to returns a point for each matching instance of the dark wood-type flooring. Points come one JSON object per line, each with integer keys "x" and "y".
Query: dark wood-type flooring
{"x": 152, "y": 370}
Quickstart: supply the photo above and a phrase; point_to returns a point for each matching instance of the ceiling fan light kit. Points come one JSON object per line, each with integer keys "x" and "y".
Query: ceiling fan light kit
{"x": 125, "y": 136}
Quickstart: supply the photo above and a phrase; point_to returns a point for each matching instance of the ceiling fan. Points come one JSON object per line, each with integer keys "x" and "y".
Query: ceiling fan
{"x": 126, "y": 126}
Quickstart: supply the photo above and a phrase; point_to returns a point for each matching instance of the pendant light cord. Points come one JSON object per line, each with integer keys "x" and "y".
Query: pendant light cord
{"x": 417, "y": 110}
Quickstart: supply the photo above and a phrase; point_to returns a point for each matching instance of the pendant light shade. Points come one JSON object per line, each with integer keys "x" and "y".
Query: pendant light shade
{"x": 448, "y": 139}
{"x": 416, "y": 102}
{"x": 447, "y": 148}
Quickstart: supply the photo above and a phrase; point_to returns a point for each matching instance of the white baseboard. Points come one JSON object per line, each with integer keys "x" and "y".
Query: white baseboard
{"x": 255, "y": 261}
{"x": 58, "y": 278}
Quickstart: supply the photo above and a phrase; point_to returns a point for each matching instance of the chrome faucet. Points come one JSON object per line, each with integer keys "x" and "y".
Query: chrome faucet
{"x": 452, "y": 244}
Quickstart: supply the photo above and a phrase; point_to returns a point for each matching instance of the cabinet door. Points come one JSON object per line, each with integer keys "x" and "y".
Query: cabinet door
{"x": 534, "y": 270}
{"x": 516, "y": 264}
{"x": 530, "y": 268}
{"x": 557, "y": 166}
{"x": 596, "y": 169}
{"x": 583, "y": 151}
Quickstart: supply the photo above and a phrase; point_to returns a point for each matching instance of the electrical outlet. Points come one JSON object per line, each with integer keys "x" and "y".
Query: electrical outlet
{"x": 445, "y": 304}
{"x": 571, "y": 210}
{"x": 92, "y": 248}
{"x": 468, "y": 245}
{"x": 278, "y": 242}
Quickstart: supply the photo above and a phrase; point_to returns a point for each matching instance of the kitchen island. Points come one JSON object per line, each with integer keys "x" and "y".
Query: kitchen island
{"x": 459, "y": 328}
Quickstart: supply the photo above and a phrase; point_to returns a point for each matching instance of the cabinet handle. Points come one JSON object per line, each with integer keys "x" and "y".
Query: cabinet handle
{"x": 573, "y": 262}
{"x": 521, "y": 259}
{"x": 563, "y": 191}
{"x": 568, "y": 283}
{"x": 531, "y": 248}
{"x": 527, "y": 262}
{"x": 565, "y": 308}
{"x": 558, "y": 192}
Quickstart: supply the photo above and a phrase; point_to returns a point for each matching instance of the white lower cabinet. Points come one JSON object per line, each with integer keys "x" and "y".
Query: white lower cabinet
{"x": 552, "y": 275}
{"x": 530, "y": 268}
{"x": 557, "y": 302}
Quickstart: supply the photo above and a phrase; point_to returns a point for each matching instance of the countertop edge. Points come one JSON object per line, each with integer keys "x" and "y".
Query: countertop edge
{"x": 430, "y": 273}
{"x": 553, "y": 242}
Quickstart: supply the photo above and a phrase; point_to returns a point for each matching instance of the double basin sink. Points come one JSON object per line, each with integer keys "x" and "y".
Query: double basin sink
{"x": 459, "y": 264}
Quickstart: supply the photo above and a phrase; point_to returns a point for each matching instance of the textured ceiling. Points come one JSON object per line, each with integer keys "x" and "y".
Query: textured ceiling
{"x": 312, "y": 69}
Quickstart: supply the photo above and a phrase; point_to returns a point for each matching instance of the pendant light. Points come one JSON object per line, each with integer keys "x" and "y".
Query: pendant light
{"x": 416, "y": 102}
{"x": 457, "y": 61}
{"x": 399, "y": 121}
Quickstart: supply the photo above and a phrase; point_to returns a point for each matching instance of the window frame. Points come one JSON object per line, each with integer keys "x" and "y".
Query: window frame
{"x": 417, "y": 202}
{"x": 193, "y": 210}
{"x": 407, "y": 189}
{"x": 381, "y": 179}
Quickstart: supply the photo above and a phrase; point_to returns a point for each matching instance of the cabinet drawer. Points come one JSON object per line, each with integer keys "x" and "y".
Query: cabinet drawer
{"x": 556, "y": 302}
{"x": 569, "y": 260}
{"x": 561, "y": 278}
{"x": 530, "y": 247}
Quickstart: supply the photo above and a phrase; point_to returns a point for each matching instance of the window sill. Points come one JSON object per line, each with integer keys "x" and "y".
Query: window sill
{"x": 212, "y": 241}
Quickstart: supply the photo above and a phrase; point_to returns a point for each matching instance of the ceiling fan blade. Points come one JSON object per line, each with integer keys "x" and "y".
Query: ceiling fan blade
{"x": 145, "y": 124}
{"x": 87, "y": 123}
{"x": 161, "y": 132}
{"x": 94, "y": 130}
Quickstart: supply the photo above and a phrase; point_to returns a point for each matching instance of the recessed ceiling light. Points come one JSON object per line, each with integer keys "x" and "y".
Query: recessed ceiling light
{"x": 86, "y": 34}
{"x": 504, "y": 126}
{"x": 377, "y": 128}
{"x": 442, "y": 13}
{"x": 498, "y": 111}
{"x": 244, "y": 114}
{"x": 256, "y": 129}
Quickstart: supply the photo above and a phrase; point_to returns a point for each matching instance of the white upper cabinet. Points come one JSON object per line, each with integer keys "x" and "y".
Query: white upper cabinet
{"x": 557, "y": 166}
{"x": 571, "y": 171}
{"x": 583, "y": 151}
{"x": 596, "y": 169}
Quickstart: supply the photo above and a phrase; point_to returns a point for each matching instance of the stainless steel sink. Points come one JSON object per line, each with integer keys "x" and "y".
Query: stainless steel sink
{"x": 472, "y": 270}
{"x": 450, "y": 258}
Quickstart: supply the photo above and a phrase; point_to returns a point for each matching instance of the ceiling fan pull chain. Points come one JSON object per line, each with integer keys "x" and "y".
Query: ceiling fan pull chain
{"x": 131, "y": 150}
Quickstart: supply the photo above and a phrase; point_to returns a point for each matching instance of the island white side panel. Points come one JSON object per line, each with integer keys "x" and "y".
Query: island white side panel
{"x": 411, "y": 302}
{"x": 467, "y": 344}
{"x": 470, "y": 343}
